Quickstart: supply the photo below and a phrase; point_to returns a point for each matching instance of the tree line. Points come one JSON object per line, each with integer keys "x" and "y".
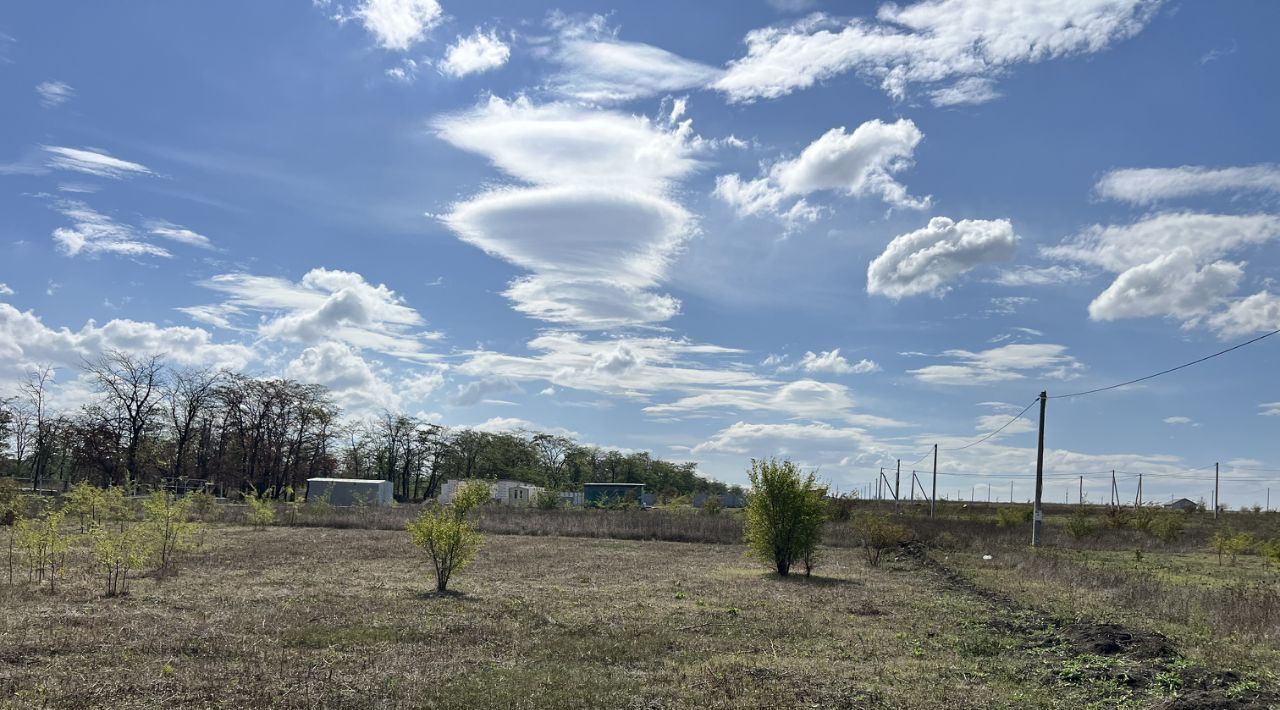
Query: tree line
{"x": 149, "y": 423}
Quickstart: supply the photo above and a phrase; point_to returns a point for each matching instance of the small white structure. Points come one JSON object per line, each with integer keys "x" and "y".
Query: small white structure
{"x": 350, "y": 491}
{"x": 502, "y": 491}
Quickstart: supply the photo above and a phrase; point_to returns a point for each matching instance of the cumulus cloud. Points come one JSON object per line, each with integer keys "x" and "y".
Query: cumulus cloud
{"x": 857, "y": 164}
{"x": 1269, "y": 409}
{"x": 783, "y": 439}
{"x": 1168, "y": 264}
{"x": 1146, "y": 186}
{"x": 929, "y": 260}
{"x": 1009, "y": 362}
{"x": 92, "y": 162}
{"x": 477, "y": 53}
{"x": 5, "y": 290}
{"x": 1255, "y": 314}
{"x": 599, "y": 68}
{"x": 326, "y": 305}
{"x": 1169, "y": 285}
{"x": 54, "y": 93}
{"x": 929, "y": 43}
{"x": 593, "y": 220}
{"x": 483, "y": 391}
{"x": 350, "y": 378}
{"x": 1180, "y": 421}
{"x": 831, "y": 362}
{"x": 399, "y": 24}
{"x": 26, "y": 342}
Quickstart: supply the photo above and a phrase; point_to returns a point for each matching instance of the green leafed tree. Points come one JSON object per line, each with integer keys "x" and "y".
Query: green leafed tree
{"x": 447, "y": 534}
{"x": 785, "y": 514}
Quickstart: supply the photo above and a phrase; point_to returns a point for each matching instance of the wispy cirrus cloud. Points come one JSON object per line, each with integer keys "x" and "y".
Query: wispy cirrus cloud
{"x": 92, "y": 162}
{"x": 54, "y": 93}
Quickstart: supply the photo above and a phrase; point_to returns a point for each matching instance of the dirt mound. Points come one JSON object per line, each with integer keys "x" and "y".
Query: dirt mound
{"x": 1113, "y": 639}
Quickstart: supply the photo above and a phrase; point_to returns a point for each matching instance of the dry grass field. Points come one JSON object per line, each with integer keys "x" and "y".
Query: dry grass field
{"x": 322, "y": 617}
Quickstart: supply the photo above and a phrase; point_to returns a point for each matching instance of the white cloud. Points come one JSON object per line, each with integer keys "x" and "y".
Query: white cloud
{"x": 511, "y": 425}
{"x": 595, "y": 223}
{"x": 26, "y": 342}
{"x": 179, "y": 234}
{"x": 856, "y": 164}
{"x": 1118, "y": 248}
{"x": 349, "y": 377}
{"x": 1009, "y": 362}
{"x": 803, "y": 399}
{"x": 991, "y": 422}
{"x": 477, "y": 53}
{"x": 1269, "y": 409}
{"x": 92, "y": 232}
{"x": 1255, "y": 314}
{"x": 832, "y": 362}
{"x": 326, "y": 305}
{"x": 928, "y": 43}
{"x": 970, "y": 90}
{"x": 1168, "y": 264}
{"x": 570, "y": 360}
{"x": 5, "y": 290}
{"x": 399, "y": 24}
{"x": 1169, "y": 285}
{"x": 483, "y": 391}
{"x": 1145, "y": 186}
{"x": 599, "y": 68}
{"x": 92, "y": 162}
{"x": 928, "y": 260}
{"x": 54, "y": 93}
{"x": 1038, "y": 276}
{"x": 1180, "y": 421}
{"x": 783, "y": 439}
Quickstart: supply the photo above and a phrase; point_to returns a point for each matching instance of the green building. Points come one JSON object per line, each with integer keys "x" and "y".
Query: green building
{"x": 600, "y": 494}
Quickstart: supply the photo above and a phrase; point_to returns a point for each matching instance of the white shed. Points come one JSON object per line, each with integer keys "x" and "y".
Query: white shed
{"x": 503, "y": 491}
{"x": 349, "y": 491}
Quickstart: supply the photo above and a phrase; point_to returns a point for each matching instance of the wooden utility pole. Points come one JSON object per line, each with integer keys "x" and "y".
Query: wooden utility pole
{"x": 1037, "y": 514}
{"x": 913, "y": 486}
{"x": 897, "y": 486}
{"x": 933, "y": 502}
{"x": 1215, "y": 490}
{"x": 1115, "y": 492}
{"x": 1081, "y": 501}
{"x": 1137, "y": 498}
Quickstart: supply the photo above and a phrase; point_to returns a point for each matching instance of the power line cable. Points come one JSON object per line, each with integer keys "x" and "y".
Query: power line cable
{"x": 997, "y": 431}
{"x": 1172, "y": 369}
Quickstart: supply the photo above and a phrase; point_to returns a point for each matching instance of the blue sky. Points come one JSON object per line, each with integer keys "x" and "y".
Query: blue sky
{"x": 836, "y": 232}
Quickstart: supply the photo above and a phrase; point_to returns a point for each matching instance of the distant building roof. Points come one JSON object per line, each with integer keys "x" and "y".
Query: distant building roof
{"x": 1183, "y": 503}
{"x": 615, "y": 485}
{"x": 345, "y": 480}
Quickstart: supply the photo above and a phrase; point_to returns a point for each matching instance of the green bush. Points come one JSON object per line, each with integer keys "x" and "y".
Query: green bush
{"x": 262, "y": 510}
{"x": 445, "y": 533}
{"x": 878, "y": 534}
{"x": 546, "y": 500}
{"x": 785, "y": 514}
{"x": 1168, "y": 527}
{"x": 1081, "y": 525}
{"x": 1013, "y": 517}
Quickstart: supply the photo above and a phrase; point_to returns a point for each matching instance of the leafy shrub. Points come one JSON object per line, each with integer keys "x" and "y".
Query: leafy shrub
{"x": 1142, "y": 519}
{"x": 1168, "y": 527}
{"x": 262, "y": 510}
{"x": 546, "y": 500}
{"x": 167, "y": 528}
{"x": 1233, "y": 544}
{"x": 1081, "y": 525}
{"x": 877, "y": 534}
{"x": 117, "y": 553}
{"x": 204, "y": 505}
{"x": 712, "y": 505}
{"x": 83, "y": 501}
{"x": 1013, "y": 517}
{"x": 1117, "y": 518}
{"x": 449, "y": 538}
{"x": 44, "y": 545}
{"x": 784, "y": 516}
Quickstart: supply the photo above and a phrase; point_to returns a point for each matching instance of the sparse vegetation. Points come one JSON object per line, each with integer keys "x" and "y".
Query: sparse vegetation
{"x": 878, "y": 534}
{"x": 449, "y": 538}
